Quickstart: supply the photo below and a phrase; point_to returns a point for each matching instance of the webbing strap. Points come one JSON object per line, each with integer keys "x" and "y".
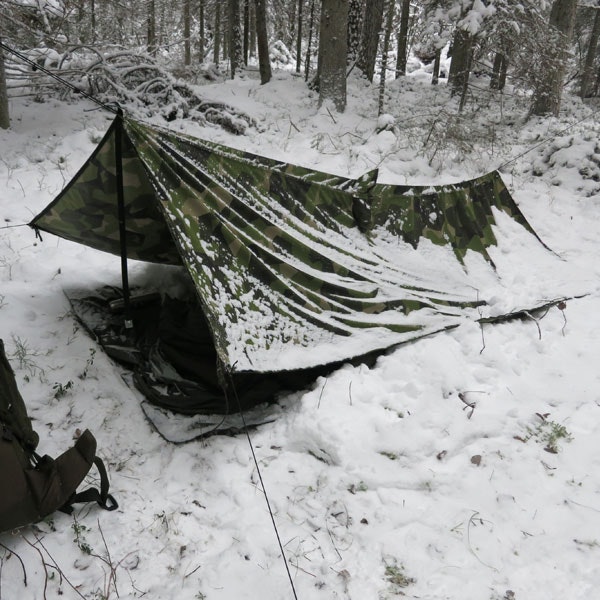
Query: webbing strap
{"x": 100, "y": 496}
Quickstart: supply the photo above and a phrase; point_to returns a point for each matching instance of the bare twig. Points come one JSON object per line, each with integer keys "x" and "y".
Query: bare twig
{"x": 292, "y": 124}
{"x": 321, "y": 394}
{"x": 191, "y": 572}
{"x": 19, "y": 559}
{"x": 54, "y": 564}
{"x": 299, "y": 568}
{"x": 43, "y": 565}
{"x": 112, "y": 577}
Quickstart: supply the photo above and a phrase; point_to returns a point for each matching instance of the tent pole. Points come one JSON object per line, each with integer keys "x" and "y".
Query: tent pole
{"x": 122, "y": 229}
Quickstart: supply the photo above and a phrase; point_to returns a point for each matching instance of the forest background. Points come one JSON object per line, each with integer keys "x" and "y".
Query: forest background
{"x": 540, "y": 44}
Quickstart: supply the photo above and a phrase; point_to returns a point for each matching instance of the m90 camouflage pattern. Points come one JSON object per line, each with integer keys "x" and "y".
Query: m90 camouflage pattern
{"x": 294, "y": 268}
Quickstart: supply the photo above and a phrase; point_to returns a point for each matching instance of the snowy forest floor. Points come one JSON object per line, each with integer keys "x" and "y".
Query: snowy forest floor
{"x": 383, "y": 482}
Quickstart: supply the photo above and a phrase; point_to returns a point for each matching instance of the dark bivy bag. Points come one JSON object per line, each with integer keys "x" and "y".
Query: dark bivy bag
{"x": 35, "y": 486}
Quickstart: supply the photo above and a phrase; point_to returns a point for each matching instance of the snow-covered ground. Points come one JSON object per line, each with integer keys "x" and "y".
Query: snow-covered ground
{"x": 463, "y": 466}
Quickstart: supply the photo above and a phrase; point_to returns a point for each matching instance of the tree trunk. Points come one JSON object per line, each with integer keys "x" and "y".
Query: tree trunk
{"x": 435, "y": 75}
{"x": 236, "y": 52}
{"x": 498, "y": 78}
{"x": 293, "y": 22}
{"x": 311, "y": 27}
{"x": 151, "y": 28}
{"x": 217, "y": 34}
{"x": 548, "y": 93}
{"x": 4, "y": 115}
{"x": 201, "y": 27}
{"x": 384, "y": 53}
{"x": 246, "y": 30}
{"x": 586, "y": 78}
{"x": 161, "y": 41}
{"x": 403, "y": 39}
{"x": 370, "y": 38}
{"x": 252, "y": 6}
{"x": 355, "y": 22}
{"x": 333, "y": 52}
{"x": 93, "y": 20}
{"x": 299, "y": 37}
{"x": 460, "y": 66}
{"x": 187, "y": 22}
{"x": 263, "y": 41}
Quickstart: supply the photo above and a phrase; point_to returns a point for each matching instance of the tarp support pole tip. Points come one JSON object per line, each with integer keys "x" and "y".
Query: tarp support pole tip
{"x": 128, "y": 322}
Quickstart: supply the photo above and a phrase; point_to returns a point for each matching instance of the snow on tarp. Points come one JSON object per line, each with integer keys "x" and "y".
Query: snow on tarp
{"x": 296, "y": 268}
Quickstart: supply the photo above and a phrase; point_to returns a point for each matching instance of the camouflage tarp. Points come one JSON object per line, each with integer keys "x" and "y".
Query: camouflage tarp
{"x": 294, "y": 268}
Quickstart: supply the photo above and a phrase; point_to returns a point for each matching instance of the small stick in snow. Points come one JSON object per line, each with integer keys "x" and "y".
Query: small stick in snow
{"x": 321, "y": 394}
{"x": 292, "y": 124}
{"x": 54, "y": 564}
{"x": 19, "y": 559}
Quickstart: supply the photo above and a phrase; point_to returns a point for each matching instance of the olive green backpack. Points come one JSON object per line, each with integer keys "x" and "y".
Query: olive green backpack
{"x": 35, "y": 486}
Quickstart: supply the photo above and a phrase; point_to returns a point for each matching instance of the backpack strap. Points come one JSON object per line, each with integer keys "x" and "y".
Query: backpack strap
{"x": 55, "y": 481}
{"x": 92, "y": 494}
